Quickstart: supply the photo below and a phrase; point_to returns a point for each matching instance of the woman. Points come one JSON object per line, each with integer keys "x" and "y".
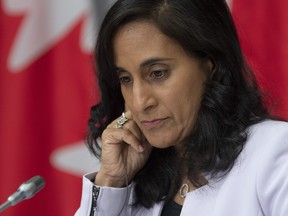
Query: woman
{"x": 194, "y": 136}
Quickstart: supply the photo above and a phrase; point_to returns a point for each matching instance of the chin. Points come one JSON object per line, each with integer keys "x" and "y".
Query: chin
{"x": 160, "y": 143}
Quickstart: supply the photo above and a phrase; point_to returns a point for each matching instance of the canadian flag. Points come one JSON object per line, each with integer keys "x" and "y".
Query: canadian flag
{"x": 263, "y": 31}
{"x": 46, "y": 89}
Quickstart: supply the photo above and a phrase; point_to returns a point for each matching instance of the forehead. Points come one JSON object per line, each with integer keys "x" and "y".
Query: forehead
{"x": 137, "y": 27}
{"x": 142, "y": 39}
{"x": 137, "y": 32}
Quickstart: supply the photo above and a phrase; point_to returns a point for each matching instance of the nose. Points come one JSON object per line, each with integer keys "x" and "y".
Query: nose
{"x": 144, "y": 97}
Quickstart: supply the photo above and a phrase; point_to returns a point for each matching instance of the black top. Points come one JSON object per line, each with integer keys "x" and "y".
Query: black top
{"x": 171, "y": 208}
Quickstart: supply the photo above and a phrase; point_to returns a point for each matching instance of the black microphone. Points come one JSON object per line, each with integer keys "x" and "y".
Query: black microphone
{"x": 26, "y": 190}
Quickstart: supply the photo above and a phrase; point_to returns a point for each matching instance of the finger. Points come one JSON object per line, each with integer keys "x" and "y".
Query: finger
{"x": 114, "y": 124}
{"x": 128, "y": 125}
{"x": 133, "y": 128}
{"x": 131, "y": 139}
{"x": 116, "y": 136}
{"x": 142, "y": 138}
{"x": 128, "y": 114}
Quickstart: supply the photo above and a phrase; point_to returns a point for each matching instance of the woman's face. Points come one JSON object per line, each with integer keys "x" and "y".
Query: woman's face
{"x": 161, "y": 84}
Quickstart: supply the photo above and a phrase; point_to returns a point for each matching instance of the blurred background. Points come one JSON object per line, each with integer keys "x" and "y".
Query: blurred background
{"x": 47, "y": 86}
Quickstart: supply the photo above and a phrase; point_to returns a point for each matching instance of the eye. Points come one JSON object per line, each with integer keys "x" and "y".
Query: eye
{"x": 158, "y": 74}
{"x": 125, "y": 79}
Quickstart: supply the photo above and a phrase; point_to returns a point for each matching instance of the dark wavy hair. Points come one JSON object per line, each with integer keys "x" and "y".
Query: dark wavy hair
{"x": 231, "y": 102}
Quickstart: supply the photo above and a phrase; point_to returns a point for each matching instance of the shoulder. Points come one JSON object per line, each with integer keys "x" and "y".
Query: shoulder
{"x": 267, "y": 141}
{"x": 269, "y": 126}
{"x": 265, "y": 151}
{"x": 268, "y": 133}
{"x": 268, "y": 150}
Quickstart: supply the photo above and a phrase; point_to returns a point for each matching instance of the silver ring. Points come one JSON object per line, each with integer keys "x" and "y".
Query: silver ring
{"x": 121, "y": 121}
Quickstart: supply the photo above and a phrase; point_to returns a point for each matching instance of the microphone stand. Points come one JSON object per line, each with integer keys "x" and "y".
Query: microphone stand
{"x": 26, "y": 190}
{"x": 5, "y": 205}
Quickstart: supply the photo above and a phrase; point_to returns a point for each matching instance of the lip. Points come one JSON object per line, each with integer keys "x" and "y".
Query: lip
{"x": 151, "y": 124}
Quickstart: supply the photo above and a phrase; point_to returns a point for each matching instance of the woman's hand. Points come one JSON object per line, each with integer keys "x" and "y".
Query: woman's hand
{"x": 124, "y": 151}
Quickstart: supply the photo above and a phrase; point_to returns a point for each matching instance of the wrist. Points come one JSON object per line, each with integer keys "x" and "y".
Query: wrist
{"x": 109, "y": 181}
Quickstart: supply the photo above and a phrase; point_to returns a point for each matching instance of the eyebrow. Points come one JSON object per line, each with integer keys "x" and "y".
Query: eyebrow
{"x": 153, "y": 61}
{"x": 146, "y": 63}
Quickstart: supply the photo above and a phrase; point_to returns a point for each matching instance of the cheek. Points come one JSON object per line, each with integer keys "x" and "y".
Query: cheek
{"x": 127, "y": 98}
{"x": 187, "y": 104}
{"x": 185, "y": 109}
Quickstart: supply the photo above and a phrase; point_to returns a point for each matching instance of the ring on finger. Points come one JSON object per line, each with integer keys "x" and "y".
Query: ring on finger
{"x": 121, "y": 121}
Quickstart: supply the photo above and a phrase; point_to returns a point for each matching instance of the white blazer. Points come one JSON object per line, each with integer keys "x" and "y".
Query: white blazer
{"x": 257, "y": 185}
